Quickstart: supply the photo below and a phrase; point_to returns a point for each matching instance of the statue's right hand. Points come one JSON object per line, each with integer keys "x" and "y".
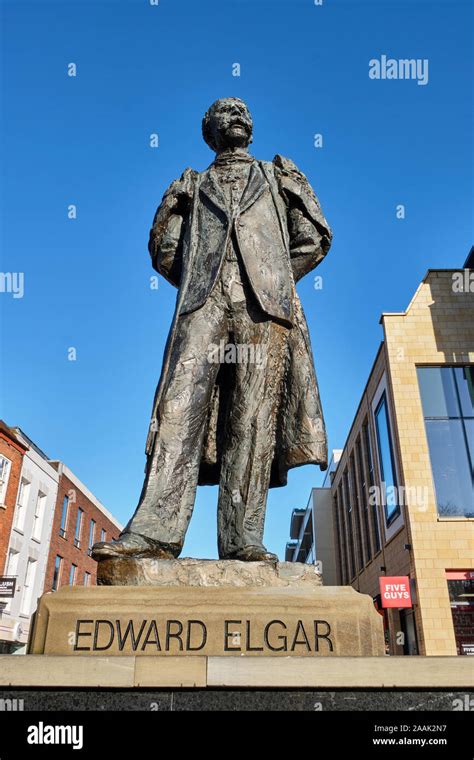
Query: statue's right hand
{"x": 183, "y": 188}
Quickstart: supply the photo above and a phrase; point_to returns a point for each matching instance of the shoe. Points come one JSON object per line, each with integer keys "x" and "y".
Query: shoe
{"x": 134, "y": 546}
{"x": 254, "y": 554}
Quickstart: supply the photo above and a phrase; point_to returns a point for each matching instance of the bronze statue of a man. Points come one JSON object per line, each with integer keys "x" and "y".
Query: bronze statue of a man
{"x": 238, "y": 402}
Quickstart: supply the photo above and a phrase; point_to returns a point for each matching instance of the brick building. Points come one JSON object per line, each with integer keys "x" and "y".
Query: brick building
{"x": 80, "y": 520}
{"x": 28, "y": 544}
{"x": 12, "y": 451}
{"x": 48, "y": 522}
{"x": 403, "y": 490}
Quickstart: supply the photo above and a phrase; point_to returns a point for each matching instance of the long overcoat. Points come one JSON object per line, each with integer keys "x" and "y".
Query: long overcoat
{"x": 281, "y": 235}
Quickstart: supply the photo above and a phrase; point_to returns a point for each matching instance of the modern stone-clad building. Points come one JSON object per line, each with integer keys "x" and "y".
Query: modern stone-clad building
{"x": 312, "y": 539}
{"x": 403, "y": 490}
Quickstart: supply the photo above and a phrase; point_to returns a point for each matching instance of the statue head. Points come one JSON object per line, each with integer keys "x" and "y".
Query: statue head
{"x": 227, "y": 124}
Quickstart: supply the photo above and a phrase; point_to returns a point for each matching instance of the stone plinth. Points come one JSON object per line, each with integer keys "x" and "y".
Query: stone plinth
{"x": 210, "y": 608}
{"x": 206, "y": 572}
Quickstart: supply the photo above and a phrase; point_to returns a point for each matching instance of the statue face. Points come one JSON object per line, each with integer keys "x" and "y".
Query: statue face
{"x": 229, "y": 124}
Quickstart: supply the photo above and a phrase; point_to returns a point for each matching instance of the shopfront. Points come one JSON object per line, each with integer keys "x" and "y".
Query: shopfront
{"x": 395, "y": 604}
{"x": 461, "y": 597}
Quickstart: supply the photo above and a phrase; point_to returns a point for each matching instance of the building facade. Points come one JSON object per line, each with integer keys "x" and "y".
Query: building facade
{"x": 28, "y": 544}
{"x": 403, "y": 491}
{"x": 12, "y": 451}
{"x": 312, "y": 529}
{"x": 80, "y": 520}
{"x": 49, "y": 521}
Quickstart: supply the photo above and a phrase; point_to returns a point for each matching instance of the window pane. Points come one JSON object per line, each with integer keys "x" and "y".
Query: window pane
{"x": 57, "y": 572}
{"x": 465, "y": 383}
{"x": 27, "y": 594}
{"x": 23, "y": 496}
{"x": 386, "y": 460}
{"x": 12, "y": 567}
{"x": 365, "y": 505}
{"x": 340, "y": 533}
{"x": 4, "y": 473}
{"x": 348, "y": 524}
{"x": 438, "y": 392}
{"x": 91, "y": 533}
{"x": 451, "y": 470}
{"x": 3, "y": 467}
{"x": 39, "y": 514}
{"x": 461, "y": 595}
{"x": 469, "y": 424}
{"x": 64, "y": 513}
{"x": 357, "y": 515}
{"x": 370, "y": 468}
{"x": 78, "y": 524}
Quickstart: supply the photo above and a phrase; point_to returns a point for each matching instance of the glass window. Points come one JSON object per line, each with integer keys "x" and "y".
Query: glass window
{"x": 87, "y": 579}
{"x": 72, "y": 575}
{"x": 348, "y": 523}
{"x": 342, "y": 521}
{"x": 370, "y": 472}
{"x": 12, "y": 565}
{"x": 365, "y": 505}
{"x": 23, "y": 496}
{"x": 62, "y": 529}
{"x": 77, "y": 537}
{"x": 339, "y": 543}
{"x": 469, "y": 425}
{"x": 39, "y": 514}
{"x": 408, "y": 626}
{"x": 57, "y": 572}
{"x": 438, "y": 392}
{"x": 386, "y": 460}
{"x": 465, "y": 387}
{"x": 103, "y": 535}
{"x": 451, "y": 469}
{"x": 28, "y": 584}
{"x": 447, "y": 397}
{"x": 5, "y": 466}
{"x": 461, "y": 596}
{"x": 91, "y": 534}
{"x": 356, "y": 515}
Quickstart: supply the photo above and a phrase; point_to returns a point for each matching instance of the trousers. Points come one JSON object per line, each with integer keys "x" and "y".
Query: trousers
{"x": 228, "y": 333}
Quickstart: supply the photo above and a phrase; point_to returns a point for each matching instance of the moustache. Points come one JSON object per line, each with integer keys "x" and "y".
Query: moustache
{"x": 238, "y": 123}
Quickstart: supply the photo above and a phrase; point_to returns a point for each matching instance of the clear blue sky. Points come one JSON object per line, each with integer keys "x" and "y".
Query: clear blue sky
{"x": 143, "y": 69}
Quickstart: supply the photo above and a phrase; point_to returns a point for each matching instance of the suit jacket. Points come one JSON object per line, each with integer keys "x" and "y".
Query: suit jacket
{"x": 280, "y": 231}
